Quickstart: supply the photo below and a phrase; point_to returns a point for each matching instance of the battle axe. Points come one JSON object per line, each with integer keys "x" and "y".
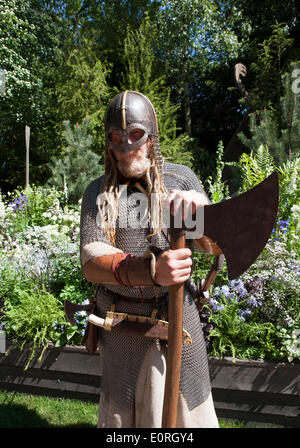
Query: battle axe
{"x": 239, "y": 228}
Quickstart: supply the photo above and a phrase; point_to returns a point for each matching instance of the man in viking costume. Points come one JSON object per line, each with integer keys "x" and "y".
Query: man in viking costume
{"x": 129, "y": 257}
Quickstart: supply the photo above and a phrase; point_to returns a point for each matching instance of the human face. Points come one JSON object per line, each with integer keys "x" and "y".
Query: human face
{"x": 135, "y": 163}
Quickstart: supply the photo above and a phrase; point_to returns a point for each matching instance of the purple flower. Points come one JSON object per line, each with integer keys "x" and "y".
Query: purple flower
{"x": 217, "y": 292}
{"x": 19, "y": 203}
{"x": 215, "y": 305}
{"x": 239, "y": 287}
{"x": 244, "y": 313}
{"x": 252, "y": 301}
{"x": 225, "y": 290}
{"x": 219, "y": 307}
{"x": 242, "y": 292}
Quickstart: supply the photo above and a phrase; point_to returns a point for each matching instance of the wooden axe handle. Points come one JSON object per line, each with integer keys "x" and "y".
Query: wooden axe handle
{"x": 175, "y": 312}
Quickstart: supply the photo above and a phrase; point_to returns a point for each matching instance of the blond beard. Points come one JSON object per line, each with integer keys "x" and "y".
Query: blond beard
{"x": 135, "y": 167}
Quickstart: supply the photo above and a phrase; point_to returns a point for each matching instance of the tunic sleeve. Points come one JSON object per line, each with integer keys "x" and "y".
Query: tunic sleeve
{"x": 93, "y": 242}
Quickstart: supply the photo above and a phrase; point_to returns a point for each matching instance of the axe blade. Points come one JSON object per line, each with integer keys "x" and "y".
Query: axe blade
{"x": 71, "y": 308}
{"x": 241, "y": 226}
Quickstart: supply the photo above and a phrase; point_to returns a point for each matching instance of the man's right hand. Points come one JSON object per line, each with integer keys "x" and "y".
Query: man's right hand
{"x": 173, "y": 267}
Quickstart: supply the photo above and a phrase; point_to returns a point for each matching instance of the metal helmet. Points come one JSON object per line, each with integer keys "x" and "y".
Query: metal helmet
{"x": 128, "y": 113}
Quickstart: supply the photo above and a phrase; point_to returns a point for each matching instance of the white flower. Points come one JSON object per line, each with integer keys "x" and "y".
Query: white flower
{"x": 2, "y": 210}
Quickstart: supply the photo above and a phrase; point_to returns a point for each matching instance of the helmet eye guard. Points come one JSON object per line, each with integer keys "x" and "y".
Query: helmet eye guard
{"x": 127, "y": 140}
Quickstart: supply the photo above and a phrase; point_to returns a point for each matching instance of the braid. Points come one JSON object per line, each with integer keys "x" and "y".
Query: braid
{"x": 155, "y": 192}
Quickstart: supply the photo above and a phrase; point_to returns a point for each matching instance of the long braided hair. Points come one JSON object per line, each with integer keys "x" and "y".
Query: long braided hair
{"x": 155, "y": 191}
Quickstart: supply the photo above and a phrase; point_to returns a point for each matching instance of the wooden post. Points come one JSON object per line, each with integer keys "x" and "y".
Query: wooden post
{"x": 27, "y": 139}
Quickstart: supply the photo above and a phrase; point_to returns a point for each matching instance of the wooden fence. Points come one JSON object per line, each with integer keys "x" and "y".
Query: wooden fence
{"x": 252, "y": 391}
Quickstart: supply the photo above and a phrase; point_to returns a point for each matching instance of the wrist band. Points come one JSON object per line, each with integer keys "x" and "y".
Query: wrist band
{"x": 128, "y": 268}
{"x": 150, "y": 255}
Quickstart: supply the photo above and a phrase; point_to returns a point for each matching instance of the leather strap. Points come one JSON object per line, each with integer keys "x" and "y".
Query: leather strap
{"x": 203, "y": 287}
{"x": 130, "y": 270}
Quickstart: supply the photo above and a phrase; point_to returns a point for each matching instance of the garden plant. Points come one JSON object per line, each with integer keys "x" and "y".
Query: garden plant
{"x": 255, "y": 316}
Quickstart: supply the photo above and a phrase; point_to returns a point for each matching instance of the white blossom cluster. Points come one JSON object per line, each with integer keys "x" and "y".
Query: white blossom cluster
{"x": 279, "y": 271}
{"x": 35, "y": 249}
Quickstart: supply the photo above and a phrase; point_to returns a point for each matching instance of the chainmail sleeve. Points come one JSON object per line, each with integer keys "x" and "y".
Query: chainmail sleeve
{"x": 93, "y": 243}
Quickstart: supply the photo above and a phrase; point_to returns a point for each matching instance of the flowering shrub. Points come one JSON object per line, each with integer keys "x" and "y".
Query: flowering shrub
{"x": 39, "y": 261}
{"x": 258, "y": 315}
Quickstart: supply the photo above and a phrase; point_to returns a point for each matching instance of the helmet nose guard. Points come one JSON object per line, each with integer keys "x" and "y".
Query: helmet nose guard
{"x": 129, "y": 111}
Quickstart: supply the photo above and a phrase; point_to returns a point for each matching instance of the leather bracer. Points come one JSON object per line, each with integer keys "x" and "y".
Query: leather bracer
{"x": 130, "y": 270}
{"x": 122, "y": 269}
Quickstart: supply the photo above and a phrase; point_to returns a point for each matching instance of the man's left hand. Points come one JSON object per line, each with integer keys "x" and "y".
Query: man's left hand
{"x": 188, "y": 200}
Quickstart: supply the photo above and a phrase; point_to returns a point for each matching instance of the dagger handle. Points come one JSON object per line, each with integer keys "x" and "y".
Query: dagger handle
{"x": 95, "y": 320}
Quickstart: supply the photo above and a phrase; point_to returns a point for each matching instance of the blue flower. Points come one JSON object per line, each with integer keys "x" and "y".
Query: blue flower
{"x": 284, "y": 225}
{"x": 252, "y": 301}
{"x": 215, "y": 305}
{"x": 225, "y": 290}
{"x": 244, "y": 313}
{"x": 19, "y": 203}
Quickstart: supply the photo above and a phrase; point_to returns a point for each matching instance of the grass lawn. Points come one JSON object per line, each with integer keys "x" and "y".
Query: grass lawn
{"x": 34, "y": 411}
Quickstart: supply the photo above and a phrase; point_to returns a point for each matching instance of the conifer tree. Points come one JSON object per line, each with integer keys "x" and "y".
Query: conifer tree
{"x": 281, "y": 136}
{"x": 269, "y": 67}
{"x": 84, "y": 92}
{"x": 78, "y": 165}
{"x": 141, "y": 76}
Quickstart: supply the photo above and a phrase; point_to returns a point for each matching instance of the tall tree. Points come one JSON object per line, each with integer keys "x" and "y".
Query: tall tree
{"x": 105, "y": 22}
{"x": 279, "y": 132}
{"x": 29, "y": 39}
{"x": 141, "y": 76}
{"x": 194, "y": 38}
{"x": 83, "y": 91}
{"x": 78, "y": 166}
{"x": 269, "y": 66}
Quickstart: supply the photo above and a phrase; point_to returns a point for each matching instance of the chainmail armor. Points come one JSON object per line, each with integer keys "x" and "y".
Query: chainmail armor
{"x": 123, "y": 355}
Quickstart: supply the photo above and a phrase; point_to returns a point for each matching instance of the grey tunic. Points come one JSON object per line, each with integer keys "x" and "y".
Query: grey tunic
{"x": 123, "y": 355}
